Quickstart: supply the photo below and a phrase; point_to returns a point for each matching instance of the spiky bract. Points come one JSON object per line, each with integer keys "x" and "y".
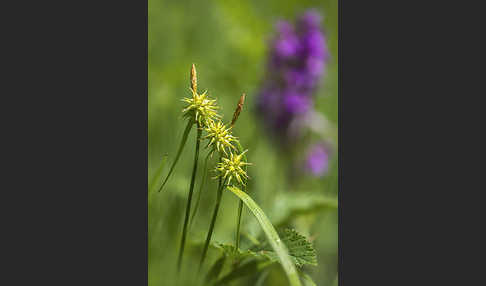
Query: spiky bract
{"x": 200, "y": 108}
{"x": 232, "y": 167}
{"x": 219, "y": 137}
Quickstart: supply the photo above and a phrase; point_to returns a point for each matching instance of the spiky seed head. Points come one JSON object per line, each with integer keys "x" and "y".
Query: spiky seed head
{"x": 200, "y": 108}
{"x": 219, "y": 137}
{"x": 232, "y": 167}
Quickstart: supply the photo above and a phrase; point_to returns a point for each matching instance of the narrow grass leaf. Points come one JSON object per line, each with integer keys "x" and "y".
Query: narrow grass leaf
{"x": 157, "y": 174}
{"x": 272, "y": 236}
{"x": 179, "y": 152}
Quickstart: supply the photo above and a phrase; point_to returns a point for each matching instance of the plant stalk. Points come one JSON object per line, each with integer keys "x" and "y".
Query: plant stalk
{"x": 201, "y": 188}
{"x": 240, "y": 204}
{"x": 189, "y": 199}
{"x": 238, "y": 222}
{"x": 213, "y": 220}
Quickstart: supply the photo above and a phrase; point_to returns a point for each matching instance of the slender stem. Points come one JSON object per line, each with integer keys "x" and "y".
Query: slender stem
{"x": 189, "y": 198}
{"x": 238, "y": 222}
{"x": 240, "y": 204}
{"x": 203, "y": 183}
{"x": 213, "y": 220}
{"x": 179, "y": 152}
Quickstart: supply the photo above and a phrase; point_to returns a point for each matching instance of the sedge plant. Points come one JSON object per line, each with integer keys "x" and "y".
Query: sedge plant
{"x": 229, "y": 167}
{"x": 231, "y": 171}
{"x": 199, "y": 111}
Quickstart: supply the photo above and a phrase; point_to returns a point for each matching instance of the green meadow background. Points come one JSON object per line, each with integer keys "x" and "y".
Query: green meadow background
{"x": 227, "y": 40}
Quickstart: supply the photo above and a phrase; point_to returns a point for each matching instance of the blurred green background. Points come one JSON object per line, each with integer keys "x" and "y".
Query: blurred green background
{"x": 227, "y": 40}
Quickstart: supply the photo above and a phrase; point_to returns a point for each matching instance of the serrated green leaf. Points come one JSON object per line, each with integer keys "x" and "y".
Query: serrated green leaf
{"x": 300, "y": 249}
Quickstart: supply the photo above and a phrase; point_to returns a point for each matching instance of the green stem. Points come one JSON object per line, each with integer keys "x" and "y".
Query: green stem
{"x": 238, "y": 222}
{"x": 189, "y": 198}
{"x": 203, "y": 183}
{"x": 179, "y": 152}
{"x": 240, "y": 204}
{"x": 213, "y": 220}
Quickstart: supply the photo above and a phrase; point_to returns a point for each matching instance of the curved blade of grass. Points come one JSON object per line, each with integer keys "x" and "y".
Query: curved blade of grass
{"x": 179, "y": 152}
{"x": 272, "y": 236}
{"x": 157, "y": 174}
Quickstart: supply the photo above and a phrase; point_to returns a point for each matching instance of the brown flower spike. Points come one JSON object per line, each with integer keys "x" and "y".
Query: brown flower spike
{"x": 193, "y": 78}
{"x": 239, "y": 107}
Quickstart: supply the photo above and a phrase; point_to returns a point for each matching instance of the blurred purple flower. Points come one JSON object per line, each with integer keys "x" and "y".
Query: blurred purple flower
{"x": 286, "y": 44}
{"x": 296, "y": 103}
{"x": 296, "y": 63}
{"x": 318, "y": 160}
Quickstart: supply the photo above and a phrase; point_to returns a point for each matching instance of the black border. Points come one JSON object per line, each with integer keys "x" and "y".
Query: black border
{"x": 75, "y": 192}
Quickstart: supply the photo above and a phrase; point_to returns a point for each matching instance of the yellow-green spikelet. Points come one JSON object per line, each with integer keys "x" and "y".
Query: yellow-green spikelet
{"x": 200, "y": 108}
{"x": 219, "y": 137}
{"x": 232, "y": 167}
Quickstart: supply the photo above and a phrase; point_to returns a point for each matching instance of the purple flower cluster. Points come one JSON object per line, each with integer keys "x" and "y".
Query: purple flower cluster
{"x": 296, "y": 64}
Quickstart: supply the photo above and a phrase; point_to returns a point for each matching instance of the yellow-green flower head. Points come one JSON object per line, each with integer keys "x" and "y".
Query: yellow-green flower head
{"x": 200, "y": 108}
{"x": 219, "y": 136}
{"x": 233, "y": 168}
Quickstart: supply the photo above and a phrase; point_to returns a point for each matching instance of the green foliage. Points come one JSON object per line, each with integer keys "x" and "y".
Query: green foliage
{"x": 290, "y": 204}
{"x": 258, "y": 258}
{"x": 157, "y": 174}
{"x": 300, "y": 249}
{"x": 215, "y": 269}
{"x": 272, "y": 236}
{"x": 307, "y": 279}
{"x": 245, "y": 269}
{"x": 201, "y": 188}
{"x": 227, "y": 40}
{"x": 179, "y": 152}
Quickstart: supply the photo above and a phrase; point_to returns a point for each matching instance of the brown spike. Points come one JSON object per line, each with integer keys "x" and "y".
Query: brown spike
{"x": 239, "y": 107}
{"x": 193, "y": 78}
